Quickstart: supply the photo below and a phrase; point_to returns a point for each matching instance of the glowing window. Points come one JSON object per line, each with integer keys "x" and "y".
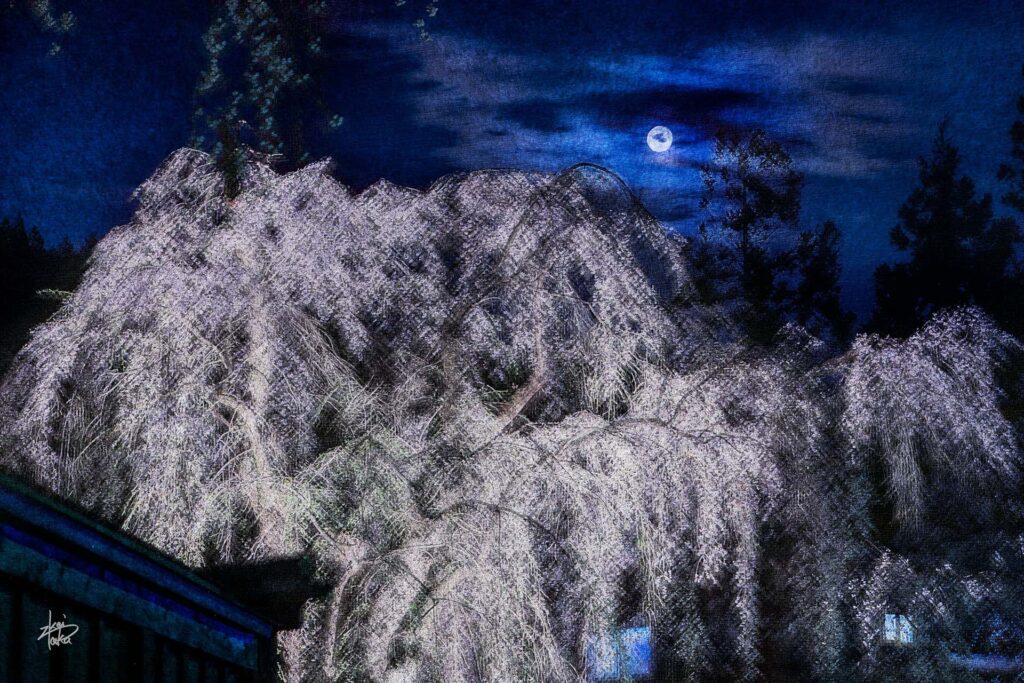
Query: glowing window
{"x": 623, "y": 654}
{"x": 898, "y": 629}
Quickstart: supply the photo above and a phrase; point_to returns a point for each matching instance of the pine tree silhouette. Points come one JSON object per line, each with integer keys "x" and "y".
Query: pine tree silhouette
{"x": 960, "y": 253}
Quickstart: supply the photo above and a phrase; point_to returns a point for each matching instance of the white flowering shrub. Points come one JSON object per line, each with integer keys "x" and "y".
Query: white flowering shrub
{"x": 493, "y": 415}
{"x": 929, "y": 410}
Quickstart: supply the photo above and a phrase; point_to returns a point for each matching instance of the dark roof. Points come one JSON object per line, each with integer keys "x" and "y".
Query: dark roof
{"x": 72, "y": 536}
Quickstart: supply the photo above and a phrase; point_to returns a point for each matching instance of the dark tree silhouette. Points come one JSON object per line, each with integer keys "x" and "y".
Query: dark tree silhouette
{"x": 33, "y": 281}
{"x": 960, "y": 253}
{"x": 816, "y": 300}
{"x": 1012, "y": 172}
{"x": 745, "y": 258}
{"x": 229, "y": 159}
{"x": 752, "y": 197}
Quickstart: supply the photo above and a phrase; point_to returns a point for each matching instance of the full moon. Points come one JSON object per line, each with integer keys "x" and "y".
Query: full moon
{"x": 659, "y": 139}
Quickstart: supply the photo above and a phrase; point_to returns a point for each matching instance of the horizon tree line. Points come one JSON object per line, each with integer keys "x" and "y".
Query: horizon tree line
{"x": 34, "y": 279}
{"x": 261, "y": 89}
{"x": 752, "y": 257}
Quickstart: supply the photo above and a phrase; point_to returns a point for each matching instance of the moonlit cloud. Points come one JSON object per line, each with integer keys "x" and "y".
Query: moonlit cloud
{"x": 504, "y": 108}
{"x": 855, "y": 106}
{"x": 854, "y": 92}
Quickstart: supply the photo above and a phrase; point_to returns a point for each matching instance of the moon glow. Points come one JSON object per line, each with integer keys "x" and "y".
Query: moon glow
{"x": 659, "y": 139}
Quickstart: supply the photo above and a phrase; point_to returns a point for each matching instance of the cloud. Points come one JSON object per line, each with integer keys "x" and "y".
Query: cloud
{"x": 537, "y": 114}
{"x": 853, "y": 105}
{"x": 483, "y": 106}
{"x": 690, "y": 106}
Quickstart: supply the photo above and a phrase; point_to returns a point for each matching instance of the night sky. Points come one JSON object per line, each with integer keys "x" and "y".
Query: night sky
{"x": 854, "y": 91}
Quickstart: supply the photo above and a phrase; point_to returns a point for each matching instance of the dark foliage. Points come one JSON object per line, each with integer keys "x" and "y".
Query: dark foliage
{"x": 53, "y": 20}
{"x": 33, "y": 280}
{"x": 816, "y": 300}
{"x": 744, "y": 257}
{"x": 229, "y": 160}
{"x": 960, "y": 252}
{"x": 1012, "y": 172}
{"x": 265, "y": 61}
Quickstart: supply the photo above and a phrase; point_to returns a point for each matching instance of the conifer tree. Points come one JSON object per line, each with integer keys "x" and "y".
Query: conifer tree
{"x": 817, "y": 303}
{"x": 745, "y": 258}
{"x": 960, "y": 253}
{"x": 1012, "y": 172}
{"x": 752, "y": 196}
{"x": 32, "y": 279}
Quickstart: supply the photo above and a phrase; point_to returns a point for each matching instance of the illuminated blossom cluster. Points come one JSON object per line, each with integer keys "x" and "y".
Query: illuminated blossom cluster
{"x": 494, "y": 415}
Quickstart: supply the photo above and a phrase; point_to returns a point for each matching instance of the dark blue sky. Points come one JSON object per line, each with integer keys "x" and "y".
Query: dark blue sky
{"x": 854, "y": 90}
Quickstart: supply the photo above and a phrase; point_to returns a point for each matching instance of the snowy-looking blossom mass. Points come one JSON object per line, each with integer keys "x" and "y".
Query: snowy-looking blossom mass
{"x": 498, "y": 419}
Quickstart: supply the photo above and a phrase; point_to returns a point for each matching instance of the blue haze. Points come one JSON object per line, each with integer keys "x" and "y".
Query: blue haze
{"x": 854, "y": 92}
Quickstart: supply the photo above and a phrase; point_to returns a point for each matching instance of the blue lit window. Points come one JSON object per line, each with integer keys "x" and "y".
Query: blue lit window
{"x": 898, "y": 629}
{"x": 622, "y": 654}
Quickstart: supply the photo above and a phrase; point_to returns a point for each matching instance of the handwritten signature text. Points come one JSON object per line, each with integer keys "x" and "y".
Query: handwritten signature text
{"x": 57, "y": 632}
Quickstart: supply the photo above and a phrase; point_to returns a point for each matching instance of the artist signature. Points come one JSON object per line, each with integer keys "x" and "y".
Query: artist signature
{"x": 56, "y": 632}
